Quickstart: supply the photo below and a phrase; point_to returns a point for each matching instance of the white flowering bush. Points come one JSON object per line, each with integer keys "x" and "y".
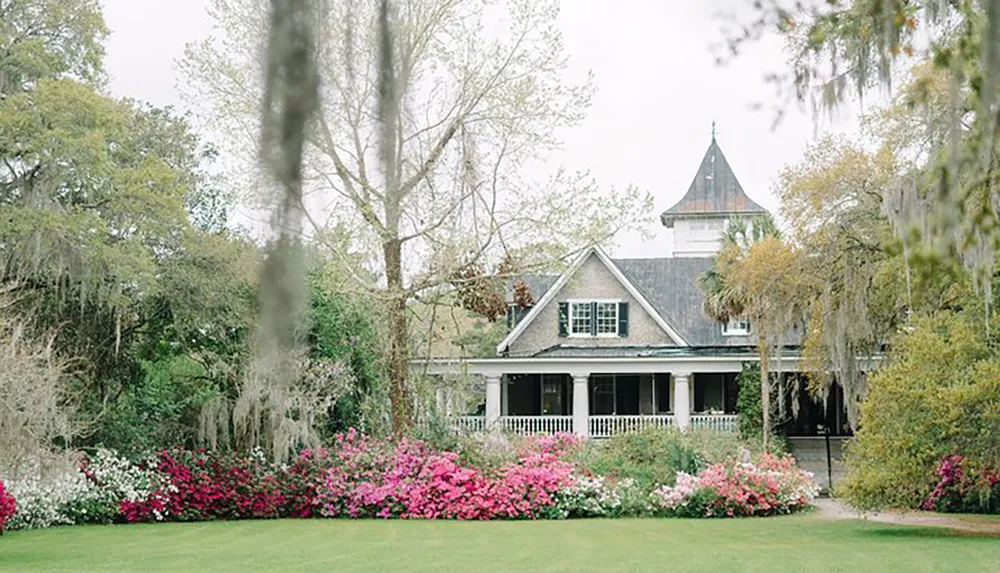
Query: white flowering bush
{"x": 599, "y": 496}
{"x": 50, "y": 500}
{"x": 116, "y": 479}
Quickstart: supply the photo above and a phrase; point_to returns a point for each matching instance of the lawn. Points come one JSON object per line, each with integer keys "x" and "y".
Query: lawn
{"x": 799, "y": 543}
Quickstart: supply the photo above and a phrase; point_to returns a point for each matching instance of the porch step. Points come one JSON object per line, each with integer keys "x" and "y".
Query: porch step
{"x": 810, "y": 452}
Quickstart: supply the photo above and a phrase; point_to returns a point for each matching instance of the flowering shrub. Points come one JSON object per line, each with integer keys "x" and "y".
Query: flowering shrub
{"x": 8, "y": 506}
{"x": 52, "y": 500}
{"x": 773, "y": 486}
{"x": 360, "y": 476}
{"x": 599, "y": 496}
{"x": 122, "y": 490}
{"x": 204, "y": 485}
{"x": 298, "y": 483}
{"x": 963, "y": 487}
{"x": 371, "y": 478}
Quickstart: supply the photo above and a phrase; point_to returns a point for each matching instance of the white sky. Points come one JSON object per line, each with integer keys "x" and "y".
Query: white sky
{"x": 659, "y": 91}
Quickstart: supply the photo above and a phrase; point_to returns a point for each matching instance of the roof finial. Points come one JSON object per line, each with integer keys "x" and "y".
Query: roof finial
{"x": 713, "y": 130}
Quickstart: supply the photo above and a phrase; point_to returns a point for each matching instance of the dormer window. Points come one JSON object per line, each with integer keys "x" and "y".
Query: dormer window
{"x": 602, "y": 318}
{"x": 736, "y": 328}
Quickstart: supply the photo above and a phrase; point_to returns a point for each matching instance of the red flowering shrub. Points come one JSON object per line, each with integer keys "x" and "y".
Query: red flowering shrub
{"x": 963, "y": 487}
{"x": 7, "y": 506}
{"x": 298, "y": 483}
{"x": 213, "y": 485}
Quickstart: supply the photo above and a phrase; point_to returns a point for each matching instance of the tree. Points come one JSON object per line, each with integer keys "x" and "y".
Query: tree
{"x": 48, "y": 39}
{"x": 431, "y": 113}
{"x": 756, "y": 277}
{"x": 832, "y": 200}
{"x": 945, "y": 207}
{"x": 112, "y": 234}
{"x": 938, "y": 395}
{"x": 866, "y": 282}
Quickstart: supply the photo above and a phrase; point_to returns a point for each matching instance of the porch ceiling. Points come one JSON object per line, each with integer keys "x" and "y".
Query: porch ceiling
{"x": 491, "y": 367}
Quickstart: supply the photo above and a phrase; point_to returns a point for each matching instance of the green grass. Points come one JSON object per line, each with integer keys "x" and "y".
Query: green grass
{"x": 799, "y": 543}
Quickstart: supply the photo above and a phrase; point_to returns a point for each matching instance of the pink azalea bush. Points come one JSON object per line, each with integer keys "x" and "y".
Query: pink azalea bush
{"x": 964, "y": 487}
{"x": 410, "y": 480}
{"x": 7, "y": 506}
{"x": 774, "y": 485}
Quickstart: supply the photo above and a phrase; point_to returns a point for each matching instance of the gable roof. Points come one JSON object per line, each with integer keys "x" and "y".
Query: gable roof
{"x": 714, "y": 191}
{"x": 566, "y": 276}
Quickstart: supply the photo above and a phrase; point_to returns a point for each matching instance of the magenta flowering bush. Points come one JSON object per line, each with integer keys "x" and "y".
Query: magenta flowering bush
{"x": 7, "y": 506}
{"x": 774, "y": 485}
{"x": 963, "y": 487}
{"x": 410, "y": 480}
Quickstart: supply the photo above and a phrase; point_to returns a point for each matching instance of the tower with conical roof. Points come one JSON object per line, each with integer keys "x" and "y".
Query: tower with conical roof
{"x": 714, "y": 197}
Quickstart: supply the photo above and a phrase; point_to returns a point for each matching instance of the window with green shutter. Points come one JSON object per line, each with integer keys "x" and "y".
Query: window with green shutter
{"x": 563, "y": 319}
{"x": 592, "y": 318}
{"x": 623, "y": 319}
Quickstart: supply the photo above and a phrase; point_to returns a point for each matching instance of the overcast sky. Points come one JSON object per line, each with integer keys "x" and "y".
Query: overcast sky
{"x": 659, "y": 91}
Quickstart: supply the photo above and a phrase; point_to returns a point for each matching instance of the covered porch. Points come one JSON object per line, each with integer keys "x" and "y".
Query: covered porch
{"x": 601, "y": 397}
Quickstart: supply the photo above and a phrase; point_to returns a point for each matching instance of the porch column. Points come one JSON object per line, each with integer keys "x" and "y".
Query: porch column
{"x": 682, "y": 400}
{"x": 504, "y": 396}
{"x": 492, "y": 401}
{"x": 581, "y": 405}
{"x": 439, "y": 399}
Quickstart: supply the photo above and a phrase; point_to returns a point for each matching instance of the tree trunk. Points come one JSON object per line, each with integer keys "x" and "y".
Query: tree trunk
{"x": 399, "y": 349}
{"x": 765, "y": 389}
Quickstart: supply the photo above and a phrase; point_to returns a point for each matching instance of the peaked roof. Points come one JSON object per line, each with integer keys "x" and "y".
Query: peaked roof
{"x": 714, "y": 191}
{"x": 564, "y": 278}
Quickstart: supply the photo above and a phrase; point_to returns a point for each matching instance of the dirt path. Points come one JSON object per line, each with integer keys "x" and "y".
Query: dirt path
{"x": 832, "y": 509}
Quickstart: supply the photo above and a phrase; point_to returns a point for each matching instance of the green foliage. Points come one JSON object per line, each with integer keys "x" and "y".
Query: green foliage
{"x": 651, "y": 457}
{"x": 343, "y": 331}
{"x": 748, "y": 402}
{"x": 160, "y": 410}
{"x": 48, "y": 39}
{"x": 937, "y": 394}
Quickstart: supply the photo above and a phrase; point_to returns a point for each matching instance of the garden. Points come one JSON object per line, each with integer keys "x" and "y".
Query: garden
{"x": 479, "y": 477}
{"x": 474, "y": 501}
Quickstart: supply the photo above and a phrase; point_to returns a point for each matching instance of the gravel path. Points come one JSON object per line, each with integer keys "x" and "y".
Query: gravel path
{"x": 828, "y": 508}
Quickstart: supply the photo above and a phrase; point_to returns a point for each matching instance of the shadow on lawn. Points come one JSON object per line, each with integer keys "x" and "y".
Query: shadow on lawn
{"x": 926, "y": 533}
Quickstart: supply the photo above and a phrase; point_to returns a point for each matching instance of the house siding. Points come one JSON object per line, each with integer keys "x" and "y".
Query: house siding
{"x": 592, "y": 281}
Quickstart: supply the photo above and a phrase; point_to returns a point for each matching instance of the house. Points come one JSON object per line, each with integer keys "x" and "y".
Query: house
{"x": 617, "y": 344}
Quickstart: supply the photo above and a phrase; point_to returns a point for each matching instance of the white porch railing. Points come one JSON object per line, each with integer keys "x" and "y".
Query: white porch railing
{"x": 716, "y": 422}
{"x": 607, "y": 426}
{"x": 598, "y": 426}
{"x": 471, "y": 423}
{"x": 530, "y": 425}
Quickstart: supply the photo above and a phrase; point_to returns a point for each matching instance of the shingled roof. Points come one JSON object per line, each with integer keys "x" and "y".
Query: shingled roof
{"x": 714, "y": 191}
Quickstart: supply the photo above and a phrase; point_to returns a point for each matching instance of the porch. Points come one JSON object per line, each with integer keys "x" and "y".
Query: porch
{"x": 604, "y": 404}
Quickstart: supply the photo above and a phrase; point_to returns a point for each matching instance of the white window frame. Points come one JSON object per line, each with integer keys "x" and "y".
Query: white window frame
{"x": 588, "y": 301}
{"x": 737, "y": 328}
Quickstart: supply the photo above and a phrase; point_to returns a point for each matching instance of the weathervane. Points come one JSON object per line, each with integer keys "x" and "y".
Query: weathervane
{"x": 713, "y": 130}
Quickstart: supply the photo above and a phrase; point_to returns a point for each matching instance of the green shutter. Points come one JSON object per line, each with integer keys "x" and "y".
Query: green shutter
{"x": 563, "y": 319}
{"x": 623, "y": 319}
{"x": 593, "y": 319}
{"x": 510, "y": 318}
